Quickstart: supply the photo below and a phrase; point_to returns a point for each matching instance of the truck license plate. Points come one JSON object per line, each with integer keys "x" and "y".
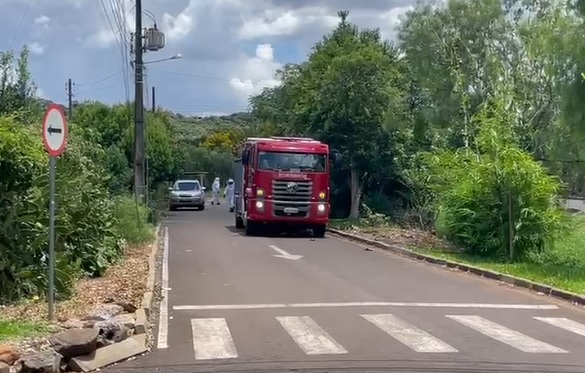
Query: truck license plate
{"x": 291, "y": 210}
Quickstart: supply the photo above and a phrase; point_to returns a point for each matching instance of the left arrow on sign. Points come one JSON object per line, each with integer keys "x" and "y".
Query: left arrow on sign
{"x": 53, "y": 130}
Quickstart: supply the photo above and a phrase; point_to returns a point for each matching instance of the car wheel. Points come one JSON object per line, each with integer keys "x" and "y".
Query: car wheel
{"x": 202, "y": 207}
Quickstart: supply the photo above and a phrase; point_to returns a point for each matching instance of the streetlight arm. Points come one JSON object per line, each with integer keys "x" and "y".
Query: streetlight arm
{"x": 175, "y": 57}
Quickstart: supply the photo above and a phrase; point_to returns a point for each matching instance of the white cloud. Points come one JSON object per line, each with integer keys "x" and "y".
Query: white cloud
{"x": 282, "y": 22}
{"x": 108, "y": 28}
{"x": 391, "y": 19}
{"x": 176, "y": 28}
{"x": 36, "y": 48}
{"x": 42, "y": 20}
{"x": 256, "y": 73}
{"x": 214, "y": 75}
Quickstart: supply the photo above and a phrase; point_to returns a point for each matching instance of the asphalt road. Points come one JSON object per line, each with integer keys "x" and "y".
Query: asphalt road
{"x": 252, "y": 304}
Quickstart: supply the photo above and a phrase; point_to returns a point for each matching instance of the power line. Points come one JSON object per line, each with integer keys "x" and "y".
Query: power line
{"x": 101, "y": 79}
{"x": 106, "y": 88}
{"x": 20, "y": 24}
{"x": 192, "y": 75}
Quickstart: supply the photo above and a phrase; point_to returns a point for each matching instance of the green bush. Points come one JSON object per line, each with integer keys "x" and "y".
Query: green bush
{"x": 131, "y": 220}
{"x": 86, "y": 238}
{"x": 496, "y": 201}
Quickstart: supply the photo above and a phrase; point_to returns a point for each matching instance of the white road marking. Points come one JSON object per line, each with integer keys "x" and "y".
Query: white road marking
{"x": 565, "y": 324}
{"x": 163, "y": 323}
{"x": 364, "y": 304}
{"x": 283, "y": 254}
{"x": 408, "y": 334}
{"x": 228, "y": 307}
{"x": 310, "y": 337}
{"x": 505, "y": 335}
{"x": 212, "y": 339}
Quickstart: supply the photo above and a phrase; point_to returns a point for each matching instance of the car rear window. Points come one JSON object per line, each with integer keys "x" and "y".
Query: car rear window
{"x": 187, "y": 185}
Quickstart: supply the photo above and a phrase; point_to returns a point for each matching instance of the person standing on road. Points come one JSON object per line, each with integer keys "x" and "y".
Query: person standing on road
{"x": 215, "y": 189}
{"x": 229, "y": 194}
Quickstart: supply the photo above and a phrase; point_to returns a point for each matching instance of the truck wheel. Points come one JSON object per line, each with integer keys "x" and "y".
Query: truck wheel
{"x": 239, "y": 222}
{"x": 319, "y": 230}
{"x": 250, "y": 228}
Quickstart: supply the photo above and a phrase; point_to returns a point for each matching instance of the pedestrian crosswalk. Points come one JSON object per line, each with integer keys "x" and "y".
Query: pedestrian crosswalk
{"x": 212, "y": 338}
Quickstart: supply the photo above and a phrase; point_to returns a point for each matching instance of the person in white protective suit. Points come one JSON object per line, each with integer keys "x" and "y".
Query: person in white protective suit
{"x": 229, "y": 194}
{"x": 215, "y": 190}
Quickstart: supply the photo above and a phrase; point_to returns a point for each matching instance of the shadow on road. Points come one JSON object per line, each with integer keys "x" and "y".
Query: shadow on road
{"x": 273, "y": 232}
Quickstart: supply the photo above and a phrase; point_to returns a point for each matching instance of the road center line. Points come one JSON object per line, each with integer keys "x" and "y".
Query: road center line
{"x": 364, "y": 304}
{"x": 163, "y": 323}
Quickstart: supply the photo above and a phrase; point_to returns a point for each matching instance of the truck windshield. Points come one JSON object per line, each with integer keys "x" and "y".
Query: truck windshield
{"x": 291, "y": 162}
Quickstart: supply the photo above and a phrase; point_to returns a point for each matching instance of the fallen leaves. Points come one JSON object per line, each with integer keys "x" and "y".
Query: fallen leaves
{"x": 406, "y": 237}
{"x": 123, "y": 281}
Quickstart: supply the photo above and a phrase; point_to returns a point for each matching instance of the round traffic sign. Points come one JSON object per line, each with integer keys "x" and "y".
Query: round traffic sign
{"x": 55, "y": 130}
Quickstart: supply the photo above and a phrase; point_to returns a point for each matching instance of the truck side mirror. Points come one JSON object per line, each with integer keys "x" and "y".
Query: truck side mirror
{"x": 245, "y": 157}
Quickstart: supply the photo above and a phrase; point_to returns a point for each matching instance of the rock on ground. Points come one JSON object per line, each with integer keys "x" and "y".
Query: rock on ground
{"x": 8, "y": 355}
{"x": 111, "y": 331}
{"x": 75, "y": 342}
{"x": 105, "y": 312}
{"x": 46, "y": 362}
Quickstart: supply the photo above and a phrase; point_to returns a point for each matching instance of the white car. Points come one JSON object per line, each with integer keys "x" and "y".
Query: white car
{"x": 187, "y": 193}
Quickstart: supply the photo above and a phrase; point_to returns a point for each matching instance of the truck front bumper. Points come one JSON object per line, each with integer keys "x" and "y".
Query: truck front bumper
{"x": 270, "y": 211}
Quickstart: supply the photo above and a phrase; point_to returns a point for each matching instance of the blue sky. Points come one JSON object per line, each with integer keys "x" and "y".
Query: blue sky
{"x": 230, "y": 48}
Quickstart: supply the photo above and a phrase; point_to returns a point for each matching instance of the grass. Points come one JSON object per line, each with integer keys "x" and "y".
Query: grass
{"x": 132, "y": 221}
{"x": 15, "y": 330}
{"x": 562, "y": 266}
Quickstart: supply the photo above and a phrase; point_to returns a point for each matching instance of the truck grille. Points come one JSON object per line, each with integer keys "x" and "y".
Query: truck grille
{"x": 291, "y": 195}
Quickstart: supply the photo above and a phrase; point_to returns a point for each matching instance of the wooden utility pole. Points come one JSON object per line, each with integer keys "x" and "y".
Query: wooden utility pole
{"x": 69, "y": 99}
{"x": 153, "y": 99}
{"x": 139, "y": 143}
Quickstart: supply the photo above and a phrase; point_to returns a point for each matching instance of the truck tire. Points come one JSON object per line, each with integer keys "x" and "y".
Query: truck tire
{"x": 239, "y": 222}
{"x": 251, "y": 228}
{"x": 319, "y": 230}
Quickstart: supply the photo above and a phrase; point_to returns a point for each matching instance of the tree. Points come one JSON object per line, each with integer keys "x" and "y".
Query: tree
{"x": 343, "y": 94}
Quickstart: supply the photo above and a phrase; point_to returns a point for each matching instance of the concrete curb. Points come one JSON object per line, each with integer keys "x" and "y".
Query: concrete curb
{"x": 143, "y": 313}
{"x": 577, "y": 299}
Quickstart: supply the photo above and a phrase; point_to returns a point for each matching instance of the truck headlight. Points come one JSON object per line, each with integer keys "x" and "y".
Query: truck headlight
{"x": 322, "y": 195}
{"x": 259, "y": 205}
{"x": 321, "y": 207}
{"x": 259, "y": 192}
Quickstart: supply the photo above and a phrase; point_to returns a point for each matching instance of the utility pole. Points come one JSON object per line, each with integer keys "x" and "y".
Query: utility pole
{"x": 153, "y": 99}
{"x": 139, "y": 145}
{"x": 69, "y": 99}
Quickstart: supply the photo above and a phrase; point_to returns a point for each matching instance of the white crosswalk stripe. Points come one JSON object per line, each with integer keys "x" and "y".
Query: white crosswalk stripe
{"x": 310, "y": 337}
{"x": 505, "y": 335}
{"x": 565, "y": 324}
{"x": 408, "y": 334}
{"x": 212, "y": 338}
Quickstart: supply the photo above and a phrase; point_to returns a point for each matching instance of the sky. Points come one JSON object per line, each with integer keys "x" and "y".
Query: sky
{"x": 230, "y": 49}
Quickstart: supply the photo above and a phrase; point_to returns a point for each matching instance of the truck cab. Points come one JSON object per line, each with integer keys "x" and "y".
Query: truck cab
{"x": 282, "y": 182}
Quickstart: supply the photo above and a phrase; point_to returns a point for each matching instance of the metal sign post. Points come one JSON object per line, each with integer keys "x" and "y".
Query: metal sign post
{"x": 55, "y": 131}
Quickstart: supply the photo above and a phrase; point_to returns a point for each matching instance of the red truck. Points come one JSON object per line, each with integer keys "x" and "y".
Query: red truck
{"x": 283, "y": 182}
